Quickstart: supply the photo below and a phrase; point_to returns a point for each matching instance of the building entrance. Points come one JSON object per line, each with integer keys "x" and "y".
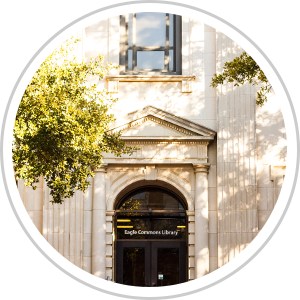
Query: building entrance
{"x": 151, "y": 263}
{"x": 151, "y": 247}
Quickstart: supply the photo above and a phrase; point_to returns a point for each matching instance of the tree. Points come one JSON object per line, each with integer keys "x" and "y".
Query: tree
{"x": 244, "y": 69}
{"x": 61, "y": 126}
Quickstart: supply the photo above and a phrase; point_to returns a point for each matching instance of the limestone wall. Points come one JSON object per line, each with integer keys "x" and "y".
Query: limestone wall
{"x": 67, "y": 227}
{"x": 236, "y": 154}
{"x": 198, "y": 56}
{"x": 33, "y": 202}
{"x": 250, "y": 144}
{"x": 271, "y": 156}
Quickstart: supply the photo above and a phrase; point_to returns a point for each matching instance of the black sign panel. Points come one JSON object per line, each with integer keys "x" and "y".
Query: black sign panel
{"x": 151, "y": 227}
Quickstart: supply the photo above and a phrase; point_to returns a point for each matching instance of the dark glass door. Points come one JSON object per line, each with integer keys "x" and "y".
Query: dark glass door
{"x": 133, "y": 264}
{"x": 168, "y": 263}
{"x": 151, "y": 263}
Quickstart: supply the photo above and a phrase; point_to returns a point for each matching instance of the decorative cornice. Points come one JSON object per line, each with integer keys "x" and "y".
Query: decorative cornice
{"x": 156, "y": 120}
{"x": 201, "y": 168}
{"x": 167, "y": 119}
{"x": 159, "y": 142}
{"x": 150, "y": 78}
{"x": 110, "y": 212}
{"x": 194, "y": 127}
{"x": 190, "y": 212}
{"x": 102, "y": 168}
{"x": 277, "y": 170}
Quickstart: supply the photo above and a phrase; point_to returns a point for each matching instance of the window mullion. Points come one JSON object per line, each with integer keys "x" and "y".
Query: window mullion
{"x": 131, "y": 50}
{"x": 134, "y": 59}
{"x": 126, "y": 41}
{"x": 167, "y": 44}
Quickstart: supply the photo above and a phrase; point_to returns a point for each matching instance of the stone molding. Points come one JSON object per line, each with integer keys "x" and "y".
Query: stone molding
{"x": 150, "y": 78}
{"x": 277, "y": 170}
{"x": 187, "y": 86}
{"x": 170, "y": 120}
{"x": 102, "y": 168}
{"x": 110, "y": 213}
{"x": 190, "y": 212}
{"x": 187, "y": 81}
{"x": 157, "y": 141}
{"x": 113, "y": 86}
{"x": 131, "y": 175}
{"x": 201, "y": 168}
{"x": 158, "y": 121}
{"x": 179, "y": 186}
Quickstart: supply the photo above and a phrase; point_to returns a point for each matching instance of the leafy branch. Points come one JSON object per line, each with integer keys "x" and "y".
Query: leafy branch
{"x": 62, "y": 124}
{"x": 244, "y": 69}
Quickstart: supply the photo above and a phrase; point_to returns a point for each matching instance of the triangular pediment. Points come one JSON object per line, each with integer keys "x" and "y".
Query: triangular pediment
{"x": 152, "y": 122}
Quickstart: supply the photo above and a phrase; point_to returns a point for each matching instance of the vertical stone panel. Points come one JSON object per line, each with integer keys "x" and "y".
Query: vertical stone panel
{"x": 87, "y": 229}
{"x": 236, "y": 147}
{"x": 77, "y": 253}
{"x": 55, "y": 225}
{"x": 45, "y": 209}
{"x": 21, "y": 190}
{"x": 33, "y": 202}
{"x": 67, "y": 229}
{"x": 61, "y": 229}
{"x": 72, "y": 228}
{"x": 50, "y": 223}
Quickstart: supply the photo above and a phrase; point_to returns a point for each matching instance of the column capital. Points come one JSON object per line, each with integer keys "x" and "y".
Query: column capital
{"x": 201, "y": 168}
{"x": 190, "y": 212}
{"x": 110, "y": 212}
{"x": 102, "y": 168}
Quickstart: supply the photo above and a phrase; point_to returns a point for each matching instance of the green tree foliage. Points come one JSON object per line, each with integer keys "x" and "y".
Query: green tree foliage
{"x": 244, "y": 69}
{"x": 61, "y": 127}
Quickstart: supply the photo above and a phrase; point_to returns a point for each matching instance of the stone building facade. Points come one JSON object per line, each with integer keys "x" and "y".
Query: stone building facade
{"x": 223, "y": 156}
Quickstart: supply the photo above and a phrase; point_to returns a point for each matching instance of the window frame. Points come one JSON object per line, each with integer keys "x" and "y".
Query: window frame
{"x": 177, "y": 42}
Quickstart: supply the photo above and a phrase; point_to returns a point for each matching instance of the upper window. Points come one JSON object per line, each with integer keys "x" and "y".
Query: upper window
{"x": 150, "y": 197}
{"x": 150, "y": 43}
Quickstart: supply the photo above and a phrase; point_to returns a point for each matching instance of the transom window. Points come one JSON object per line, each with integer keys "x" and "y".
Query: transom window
{"x": 150, "y": 43}
{"x": 151, "y": 213}
{"x": 149, "y": 197}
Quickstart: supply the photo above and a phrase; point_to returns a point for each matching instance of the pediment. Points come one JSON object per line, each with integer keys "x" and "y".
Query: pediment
{"x": 152, "y": 122}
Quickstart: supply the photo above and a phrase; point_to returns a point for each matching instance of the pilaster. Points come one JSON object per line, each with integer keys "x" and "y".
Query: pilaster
{"x": 191, "y": 244}
{"x": 109, "y": 244}
{"x": 201, "y": 220}
{"x": 99, "y": 224}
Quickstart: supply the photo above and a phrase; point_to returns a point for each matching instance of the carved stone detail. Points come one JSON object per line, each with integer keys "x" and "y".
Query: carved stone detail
{"x": 185, "y": 126}
{"x": 122, "y": 185}
{"x": 157, "y": 142}
{"x": 186, "y": 193}
{"x": 150, "y": 173}
{"x": 113, "y": 86}
{"x": 117, "y": 178}
{"x": 181, "y": 177}
{"x": 158, "y": 121}
{"x": 187, "y": 87}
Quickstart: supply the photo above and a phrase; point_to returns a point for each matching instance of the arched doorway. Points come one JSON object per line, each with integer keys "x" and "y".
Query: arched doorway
{"x": 151, "y": 237}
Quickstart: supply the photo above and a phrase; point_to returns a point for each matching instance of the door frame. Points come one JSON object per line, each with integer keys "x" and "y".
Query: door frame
{"x": 119, "y": 261}
{"x": 151, "y": 247}
{"x": 182, "y": 259}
